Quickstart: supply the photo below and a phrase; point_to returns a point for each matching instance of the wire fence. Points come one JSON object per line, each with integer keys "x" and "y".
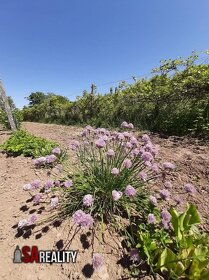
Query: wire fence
{"x": 201, "y": 61}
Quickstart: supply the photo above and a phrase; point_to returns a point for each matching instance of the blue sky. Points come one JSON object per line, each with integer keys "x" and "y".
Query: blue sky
{"x": 64, "y": 46}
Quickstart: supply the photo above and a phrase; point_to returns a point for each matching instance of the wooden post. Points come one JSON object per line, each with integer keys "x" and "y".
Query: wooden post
{"x": 7, "y": 108}
{"x": 93, "y": 89}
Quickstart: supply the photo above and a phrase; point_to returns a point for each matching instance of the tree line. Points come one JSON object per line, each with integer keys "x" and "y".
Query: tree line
{"x": 174, "y": 101}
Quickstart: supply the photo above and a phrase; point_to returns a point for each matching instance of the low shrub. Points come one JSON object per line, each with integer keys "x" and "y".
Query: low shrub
{"x": 23, "y": 143}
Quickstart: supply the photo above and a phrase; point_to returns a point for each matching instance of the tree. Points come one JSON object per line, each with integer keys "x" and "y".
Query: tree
{"x": 36, "y": 98}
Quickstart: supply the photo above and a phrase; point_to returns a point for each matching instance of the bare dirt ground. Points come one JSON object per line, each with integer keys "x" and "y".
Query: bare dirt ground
{"x": 191, "y": 158}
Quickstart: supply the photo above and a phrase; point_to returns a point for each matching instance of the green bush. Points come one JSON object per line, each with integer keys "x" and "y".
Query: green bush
{"x": 26, "y": 144}
{"x": 181, "y": 253}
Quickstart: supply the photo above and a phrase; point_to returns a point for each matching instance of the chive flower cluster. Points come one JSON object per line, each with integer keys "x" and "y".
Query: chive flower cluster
{"x": 49, "y": 159}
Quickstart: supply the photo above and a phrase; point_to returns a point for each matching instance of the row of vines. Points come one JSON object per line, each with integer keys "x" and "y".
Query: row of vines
{"x": 174, "y": 101}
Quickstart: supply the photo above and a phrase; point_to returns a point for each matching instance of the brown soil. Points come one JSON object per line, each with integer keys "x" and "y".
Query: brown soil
{"x": 191, "y": 158}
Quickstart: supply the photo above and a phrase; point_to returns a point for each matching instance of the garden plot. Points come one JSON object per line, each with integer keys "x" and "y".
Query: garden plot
{"x": 191, "y": 160}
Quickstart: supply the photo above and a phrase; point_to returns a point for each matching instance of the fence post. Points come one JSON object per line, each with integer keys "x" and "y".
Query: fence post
{"x": 7, "y": 108}
{"x": 93, "y": 89}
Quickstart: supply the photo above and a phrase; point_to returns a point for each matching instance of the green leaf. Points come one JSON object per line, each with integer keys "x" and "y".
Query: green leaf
{"x": 192, "y": 217}
{"x": 201, "y": 252}
{"x": 176, "y": 223}
{"x": 167, "y": 260}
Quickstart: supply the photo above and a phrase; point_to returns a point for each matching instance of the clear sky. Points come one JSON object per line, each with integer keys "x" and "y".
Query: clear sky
{"x": 63, "y": 46}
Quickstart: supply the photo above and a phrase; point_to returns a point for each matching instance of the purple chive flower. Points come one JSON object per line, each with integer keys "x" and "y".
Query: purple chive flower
{"x": 37, "y": 198}
{"x": 126, "y": 134}
{"x": 141, "y": 151}
{"x": 54, "y": 201}
{"x": 155, "y": 168}
{"x": 145, "y": 138}
{"x": 22, "y": 223}
{"x": 143, "y": 175}
{"x": 116, "y": 195}
{"x": 36, "y": 162}
{"x": 134, "y": 255}
{"x": 97, "y": 261}
{"x": 125, "y": 125}
{"x": 82, "y": 219}
{"x": 148, "y": 146}
{"x": 135, "y": 152}
{"x": 147, "y": 156}
{"x": 165, "y": 215}
{"x": 189, "y": 188}
{"x": 153, "y": 200}
{"x": 164, "y": 194}
{"x": 169, "y": 166}
{"x": 32, "y": 219}
{"x": 105, "y": 138}
{"x": 56, "y": 151}
{"x": 115, "y": 171}
{"x": 74, "y": 144}
{"x": 165, "y": 224}
{"x": 148, "y": 164}
{"x": 89, "y": 128}
{"x": 59, "y": 167}
{"x": 83, "y": 133}
{"x": 86, "y": 143}
{"x": 49, "y": 184}
{"x": 110, "y": 153}
{"x": 130, "y": 191}
{"x": 77, "y": 216}
{"x": 127, "y": 163}
{"x": 88, "y": 200}
{"x": 40, "y": 161}
{"x": 151, "y": 148}
{"x": 128, "y": 145}
{"x": 151, "y": 219}
{"x": 68, "y": 184}
{"x": 27, "y": 187}
{"x": 120, "y": 136}
{"x": 130, "y": 125}
{"x": 103, "y": 130}
{"x": 57, "y": 183}
{"x": 133, "y": 141}
{"x": 87, "y": 221}
{"x": 154, "y": 151}
{"x": 35, "y": 184}
{"x": 51, "y": 158}
{"x": 168, "y": 185}
{"x": 100, "y": 143}
{"x": 178, "y": 200}
{"x": 113, "y": 138}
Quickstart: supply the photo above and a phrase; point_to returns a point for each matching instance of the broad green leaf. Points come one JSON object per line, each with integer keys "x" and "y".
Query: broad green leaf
{"x": 175, "y": 223}
{"x": 167, "y": 259}
{"x": 192, "y": 217}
